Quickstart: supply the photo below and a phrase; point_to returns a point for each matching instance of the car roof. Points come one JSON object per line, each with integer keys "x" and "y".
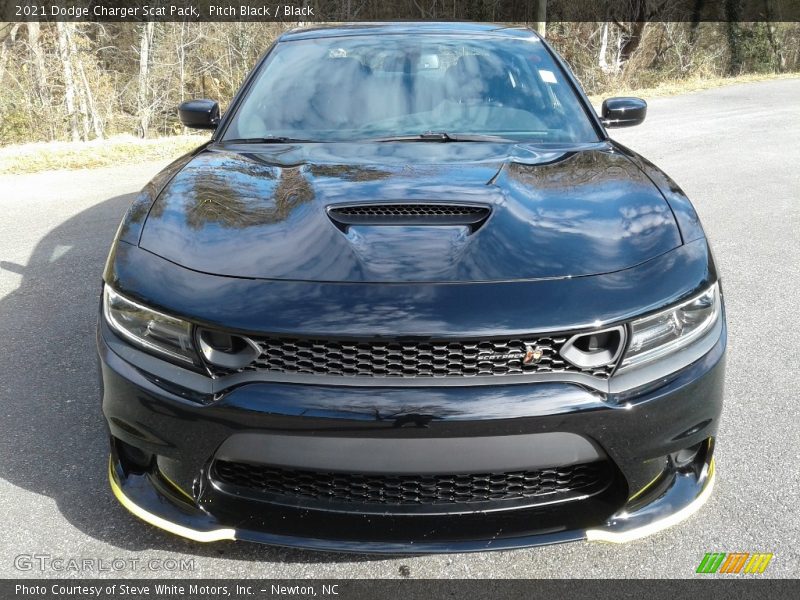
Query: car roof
{"x": 415, "y": 28}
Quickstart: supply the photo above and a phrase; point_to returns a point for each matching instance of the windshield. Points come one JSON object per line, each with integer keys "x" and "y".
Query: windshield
{"x": 378, "y": 87}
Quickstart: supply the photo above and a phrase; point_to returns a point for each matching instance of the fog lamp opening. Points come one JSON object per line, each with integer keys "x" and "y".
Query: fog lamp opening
{"x": 686, "y": 457}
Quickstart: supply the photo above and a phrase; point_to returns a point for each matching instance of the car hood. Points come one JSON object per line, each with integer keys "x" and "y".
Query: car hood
{"x": 262, "y": 212}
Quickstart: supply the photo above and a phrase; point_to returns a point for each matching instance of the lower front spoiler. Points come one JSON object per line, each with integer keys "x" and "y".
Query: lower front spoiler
{"x": 166, "y": 509}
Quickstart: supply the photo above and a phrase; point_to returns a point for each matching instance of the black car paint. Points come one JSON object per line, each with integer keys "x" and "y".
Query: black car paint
{"x": 262, "y": 215}
{"x": 410, "y": 309}
{"x": 638, "y": 439}
{"x": 602, "y": 263}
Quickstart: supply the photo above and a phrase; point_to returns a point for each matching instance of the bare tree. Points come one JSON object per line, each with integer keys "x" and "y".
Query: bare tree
{"x": 774, "y": 40}
{"x": 64, "y": 30}
{"x": 144, "y": 108}
{"x": 92, "y": 118}
{"x": 40, "y": 68}
{"x": 540, "y": 12}
{"x": 8, "y": 37}
{"x": 602, "y": 60}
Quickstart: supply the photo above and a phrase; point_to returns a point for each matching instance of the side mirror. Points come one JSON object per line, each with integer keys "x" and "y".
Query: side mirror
{"x": 199, "y": 114}
{"x": 623, "y": 112}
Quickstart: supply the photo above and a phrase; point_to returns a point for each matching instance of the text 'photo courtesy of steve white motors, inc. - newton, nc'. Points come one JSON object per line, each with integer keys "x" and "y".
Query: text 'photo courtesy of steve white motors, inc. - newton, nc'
{"x": 170, "y": 590}
{"x": 102, "y": 11}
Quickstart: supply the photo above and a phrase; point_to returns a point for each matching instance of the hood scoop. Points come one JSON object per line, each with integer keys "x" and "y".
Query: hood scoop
{"x": 416, "y": 214}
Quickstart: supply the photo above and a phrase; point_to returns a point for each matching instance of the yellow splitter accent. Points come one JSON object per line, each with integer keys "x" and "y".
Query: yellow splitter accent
{"x": 592, "y": 535}
{"x": 213, "y": 535}
{"x": 600, "y": 535}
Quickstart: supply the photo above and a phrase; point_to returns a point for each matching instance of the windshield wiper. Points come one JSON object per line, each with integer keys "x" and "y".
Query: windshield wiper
{"x": 273, "y": 139}
{"x": 442, "y": 136}
{"x": 428, "y": 136}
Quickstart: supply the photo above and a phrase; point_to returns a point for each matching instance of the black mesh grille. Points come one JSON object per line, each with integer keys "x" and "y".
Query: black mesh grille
{"x": 410, "y": 210}
{"x": 548, "y": 484}
{"x": 462, "y": 358}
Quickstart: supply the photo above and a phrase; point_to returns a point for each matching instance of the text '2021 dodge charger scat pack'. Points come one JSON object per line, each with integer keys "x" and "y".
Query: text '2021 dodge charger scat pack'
{"x": 411, "y": 298}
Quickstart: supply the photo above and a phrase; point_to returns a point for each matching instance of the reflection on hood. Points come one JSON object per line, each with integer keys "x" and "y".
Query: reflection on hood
{"x": 554, "y": 213}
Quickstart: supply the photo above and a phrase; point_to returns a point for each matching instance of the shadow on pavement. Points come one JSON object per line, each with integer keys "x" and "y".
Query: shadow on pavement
{"x": 52, "y": 434}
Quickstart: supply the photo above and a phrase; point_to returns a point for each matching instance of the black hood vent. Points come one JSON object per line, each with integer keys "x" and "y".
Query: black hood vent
{"x": 470, "y": 215}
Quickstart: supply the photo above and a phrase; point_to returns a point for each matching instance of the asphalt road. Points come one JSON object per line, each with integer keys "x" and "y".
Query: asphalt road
{"x": 734, "y": 150}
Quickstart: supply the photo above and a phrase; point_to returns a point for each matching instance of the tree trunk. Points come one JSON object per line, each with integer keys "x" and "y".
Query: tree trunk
{"x": 696, "y": 13}
{"x": 774, "y": 42}
{"x": 142, "y": 102}
{"x": 633, "y": 35}
{"x": 69, "y": 81}
{"x": 83, "y": 106}
{"x": 91, "y": 119}
{"x": 632, "y": 41}
{"x": 7, "y": 41}
{"x": 601, "y": 59}
{"x": 540, "y": 12}
{"x": 42, "y": 89}
{"x": 734, "y": 33}
{"x": 181, "y": 51}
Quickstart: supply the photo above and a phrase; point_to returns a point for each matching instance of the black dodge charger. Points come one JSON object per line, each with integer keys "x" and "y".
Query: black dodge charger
{"x": 411, "y": 297}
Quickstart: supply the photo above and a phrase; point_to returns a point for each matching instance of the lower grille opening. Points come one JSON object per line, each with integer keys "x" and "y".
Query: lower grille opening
{"x": 293, "y": 486}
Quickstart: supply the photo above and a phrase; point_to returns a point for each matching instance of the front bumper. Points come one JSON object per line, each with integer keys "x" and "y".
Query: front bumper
{"x": 636, "y": 432}
{"x": 151, "y": 503}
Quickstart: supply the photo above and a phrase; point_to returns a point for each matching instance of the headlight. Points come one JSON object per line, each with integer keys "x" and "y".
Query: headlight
{"x": 670, "y": 330}
{"x": 151, "y": 330}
